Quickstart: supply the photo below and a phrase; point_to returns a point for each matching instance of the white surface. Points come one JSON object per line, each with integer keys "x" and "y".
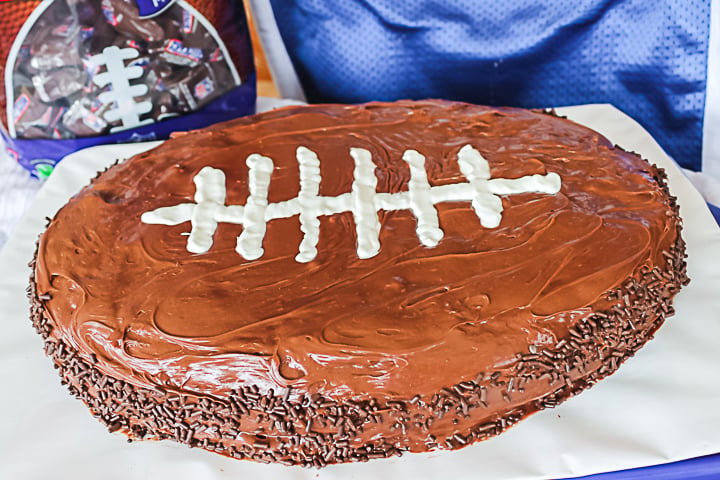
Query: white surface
{"x": 660, "y": 406}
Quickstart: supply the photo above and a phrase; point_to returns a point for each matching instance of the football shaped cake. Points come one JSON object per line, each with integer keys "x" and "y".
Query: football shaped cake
{"x": 325, "y": 284}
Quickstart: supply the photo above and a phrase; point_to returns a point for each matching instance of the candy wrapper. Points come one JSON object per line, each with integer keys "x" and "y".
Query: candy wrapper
{"x": 77, "y": 73}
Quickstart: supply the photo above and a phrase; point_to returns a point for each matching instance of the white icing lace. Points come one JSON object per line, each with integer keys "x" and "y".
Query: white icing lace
{"x": 363, "y": 201}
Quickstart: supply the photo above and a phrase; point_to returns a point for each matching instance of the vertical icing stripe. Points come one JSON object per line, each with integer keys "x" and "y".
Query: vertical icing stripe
{"x": 210, "y": 199}
{"x": 309, "y": 203}
{"x": 476, "y": 169}
{"x": 249, "y": 243}
{"x": 367, "y": 224}
{"x": 421, "y": 204}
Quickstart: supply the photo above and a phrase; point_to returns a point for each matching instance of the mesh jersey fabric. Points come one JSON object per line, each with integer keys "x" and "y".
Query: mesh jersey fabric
{"x": 646, "y": 57}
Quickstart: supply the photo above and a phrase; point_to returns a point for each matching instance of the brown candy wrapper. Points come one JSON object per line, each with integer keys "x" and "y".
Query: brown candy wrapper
{"x": 85, "y": 71}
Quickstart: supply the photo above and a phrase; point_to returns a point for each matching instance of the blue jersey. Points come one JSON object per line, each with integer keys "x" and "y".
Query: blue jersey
{"x": 648, "y": 58}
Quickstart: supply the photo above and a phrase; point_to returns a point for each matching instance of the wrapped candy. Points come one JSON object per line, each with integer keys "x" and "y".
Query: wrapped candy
{"x": 86, "y": 72}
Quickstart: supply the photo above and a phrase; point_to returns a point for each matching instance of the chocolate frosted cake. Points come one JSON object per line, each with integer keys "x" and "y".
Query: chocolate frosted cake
{"x": 328, "y": 283}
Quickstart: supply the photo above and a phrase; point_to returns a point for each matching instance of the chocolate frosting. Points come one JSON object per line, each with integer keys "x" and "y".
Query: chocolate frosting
{"x": 408, "y": 321}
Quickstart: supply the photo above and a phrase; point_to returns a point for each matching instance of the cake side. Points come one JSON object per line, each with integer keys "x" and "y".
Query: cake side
{"x": 292, "y": 423}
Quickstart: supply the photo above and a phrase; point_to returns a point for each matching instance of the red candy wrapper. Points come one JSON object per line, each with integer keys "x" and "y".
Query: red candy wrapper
{"x": 77, "y": 73}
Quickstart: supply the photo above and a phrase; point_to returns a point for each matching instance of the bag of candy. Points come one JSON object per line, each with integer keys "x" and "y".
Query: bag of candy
{"x": 77, "y": 73}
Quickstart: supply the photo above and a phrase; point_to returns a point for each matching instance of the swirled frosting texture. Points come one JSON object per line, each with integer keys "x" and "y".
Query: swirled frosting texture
{"x": 407, "y": 321}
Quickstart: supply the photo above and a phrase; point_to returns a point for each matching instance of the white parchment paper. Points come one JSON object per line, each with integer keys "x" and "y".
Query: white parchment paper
{"x": 661, "y": 406}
